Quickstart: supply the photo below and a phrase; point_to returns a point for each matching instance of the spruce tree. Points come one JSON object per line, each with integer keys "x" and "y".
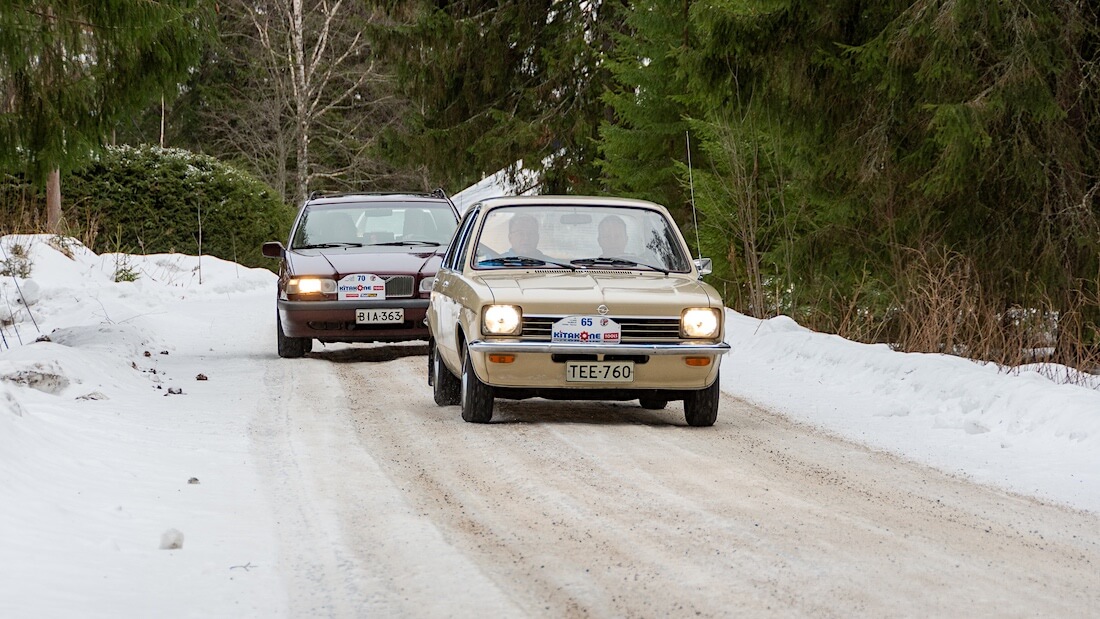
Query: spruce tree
{"x": 493, "y": 83}
{"x": 71, "y": 69}
{"x": 914, "y": 136}
{"x": 647, "y": 136}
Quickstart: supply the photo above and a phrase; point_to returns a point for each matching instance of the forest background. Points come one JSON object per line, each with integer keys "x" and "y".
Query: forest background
{"x": 923, "y": 173}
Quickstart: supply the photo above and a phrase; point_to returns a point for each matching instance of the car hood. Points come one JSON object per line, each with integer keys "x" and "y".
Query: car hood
{"x": 338, "y": 262}
{"x": 624, "y": 293}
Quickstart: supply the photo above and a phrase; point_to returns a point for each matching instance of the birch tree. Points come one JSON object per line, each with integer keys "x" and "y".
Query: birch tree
{"x": 301, "y": 77}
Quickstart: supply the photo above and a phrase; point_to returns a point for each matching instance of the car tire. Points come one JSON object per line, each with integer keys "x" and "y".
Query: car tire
{"x": 652, "y": 403}
{"x": 701, "y": 407}
{"x": 446, "y": 387}
{"x": 475, "y": 396}
{"x": 291, "y": 347}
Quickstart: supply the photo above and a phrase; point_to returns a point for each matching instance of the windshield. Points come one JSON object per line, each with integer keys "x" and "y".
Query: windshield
{"x": 579, "y": 237}
{"x": 413, "y": 225}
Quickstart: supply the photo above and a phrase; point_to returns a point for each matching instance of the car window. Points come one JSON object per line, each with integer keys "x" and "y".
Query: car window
{"x": 325, "y": 226}
{"x": 604, "y": 237}
{"x": 453, "y": 259}
{"x": 375, "y": 224}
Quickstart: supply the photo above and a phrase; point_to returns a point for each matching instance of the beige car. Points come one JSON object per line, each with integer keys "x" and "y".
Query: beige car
{"x": 573, "y": 298}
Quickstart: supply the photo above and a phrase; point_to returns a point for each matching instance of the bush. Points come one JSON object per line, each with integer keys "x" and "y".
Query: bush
{"x": 153, "y": 200}
{"x": 18, "y": 263}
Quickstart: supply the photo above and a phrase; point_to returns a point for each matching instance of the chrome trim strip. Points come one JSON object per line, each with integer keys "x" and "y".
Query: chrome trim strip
{"x": 295, "y": 306}
{"x": 565, "y": 348}
{"x": 615, "y": 317}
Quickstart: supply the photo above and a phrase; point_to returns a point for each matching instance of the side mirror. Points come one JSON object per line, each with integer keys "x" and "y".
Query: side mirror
{"x": 272, "y": 249}
{"x": 705, "y": 266}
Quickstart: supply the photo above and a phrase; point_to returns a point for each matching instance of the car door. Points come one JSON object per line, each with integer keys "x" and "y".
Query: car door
{"x": 445, "y": 309}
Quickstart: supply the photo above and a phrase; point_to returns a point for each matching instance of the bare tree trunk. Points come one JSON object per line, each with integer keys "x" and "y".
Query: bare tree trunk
{"x": 303, "y": 159}
{"x": 53, "y": 202}
{"x": 311, "y": 78}
{"x": 303, "y": 75}
{"x": 748, "y": 214}
{"x": 743, "y": 189}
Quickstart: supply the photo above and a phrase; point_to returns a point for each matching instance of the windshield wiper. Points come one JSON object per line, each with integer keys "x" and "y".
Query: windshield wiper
{"x": 327, "y": 245}
{"x": 401, "y": 243}
{"x": 511, "y": 261}
{"x": 616, "y": 262}
{"x": 521, "y": 261}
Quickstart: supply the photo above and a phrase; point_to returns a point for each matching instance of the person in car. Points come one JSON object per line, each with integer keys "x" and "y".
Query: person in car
{"x": 523, "y": 234}
{"x": 612, "y": 237}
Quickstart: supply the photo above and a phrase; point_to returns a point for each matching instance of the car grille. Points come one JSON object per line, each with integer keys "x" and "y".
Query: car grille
{"x": 635, "y": 330}
{"x": 398, "y": 285}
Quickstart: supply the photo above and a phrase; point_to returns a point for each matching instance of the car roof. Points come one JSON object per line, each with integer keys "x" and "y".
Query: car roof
{"x": 386, "y": 198}
{"x": 564, "y": 200}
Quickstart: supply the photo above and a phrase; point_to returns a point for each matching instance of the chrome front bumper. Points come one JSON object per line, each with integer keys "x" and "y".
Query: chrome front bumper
{"x": 352, "y": 304}
{"x": 564, "y": 348}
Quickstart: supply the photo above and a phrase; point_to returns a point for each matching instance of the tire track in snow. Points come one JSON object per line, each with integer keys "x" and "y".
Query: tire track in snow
{"x": 607, "y": 509}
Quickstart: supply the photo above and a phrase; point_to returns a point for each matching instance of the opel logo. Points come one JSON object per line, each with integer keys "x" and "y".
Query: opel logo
{"x": 602, "y": 309}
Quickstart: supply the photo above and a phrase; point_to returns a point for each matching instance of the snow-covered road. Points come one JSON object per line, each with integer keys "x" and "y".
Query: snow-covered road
{"x": 159, "y": 460}
{"x": 388, "y": 505}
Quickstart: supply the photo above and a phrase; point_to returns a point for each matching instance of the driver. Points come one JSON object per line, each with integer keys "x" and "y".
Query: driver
{"x": 523, "y": 234}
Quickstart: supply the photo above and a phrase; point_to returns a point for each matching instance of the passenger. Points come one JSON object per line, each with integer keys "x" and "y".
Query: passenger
{"x": 612, "y": 237}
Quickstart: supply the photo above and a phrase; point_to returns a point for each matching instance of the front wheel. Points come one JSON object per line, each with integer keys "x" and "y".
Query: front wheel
{"x": 476, "y": 397}
{"x": 445, "y": 386}
{"x": 701, "y": 407}
{"x": 291, "y": 347}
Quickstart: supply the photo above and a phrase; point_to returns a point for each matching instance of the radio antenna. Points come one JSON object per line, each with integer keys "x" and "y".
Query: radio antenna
{"x": 691, "y": 186}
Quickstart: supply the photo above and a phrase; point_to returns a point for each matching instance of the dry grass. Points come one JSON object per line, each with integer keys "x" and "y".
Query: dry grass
{"x": 25, "y": 213}
{"x": 942, "y": 309}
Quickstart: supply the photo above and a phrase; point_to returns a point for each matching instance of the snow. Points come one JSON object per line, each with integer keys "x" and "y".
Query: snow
{"x": 130, "y": 486}
{"x": 514, "y": 181}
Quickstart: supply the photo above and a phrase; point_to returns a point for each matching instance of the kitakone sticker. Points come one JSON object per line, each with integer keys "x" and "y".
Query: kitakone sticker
{"x": 361, "y": 286}
{"x": 586, "y": 330}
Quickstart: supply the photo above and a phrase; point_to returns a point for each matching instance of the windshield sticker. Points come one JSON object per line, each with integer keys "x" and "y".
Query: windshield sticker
{"x": 586, "y": 330}
{"x": 361, "y": 286}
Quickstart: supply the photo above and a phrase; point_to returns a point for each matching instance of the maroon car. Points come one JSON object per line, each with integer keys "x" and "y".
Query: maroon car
{"x": 359, "y": 268}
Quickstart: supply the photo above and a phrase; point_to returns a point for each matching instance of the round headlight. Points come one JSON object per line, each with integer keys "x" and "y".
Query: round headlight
{"x": 699, "y": 322}
{"x": 501, "y": 320}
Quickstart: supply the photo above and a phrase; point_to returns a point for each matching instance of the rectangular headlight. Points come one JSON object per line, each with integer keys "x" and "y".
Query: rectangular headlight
{"x": 700, "y": 322}
{"x": 311, "y": 285}
{"x": 501, "y": 320}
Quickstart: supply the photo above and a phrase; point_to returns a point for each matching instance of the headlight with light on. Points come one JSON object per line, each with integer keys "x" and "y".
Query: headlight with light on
{"x": 501, "y": 320}
{"x": 310, "y": 285}
{"x": 701, "y": 322}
